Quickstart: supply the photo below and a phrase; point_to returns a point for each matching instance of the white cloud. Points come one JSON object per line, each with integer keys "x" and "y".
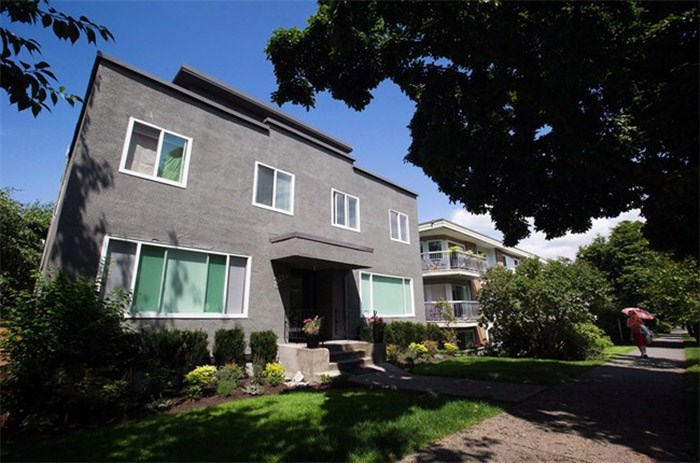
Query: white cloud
{"x": 566, "y": 246}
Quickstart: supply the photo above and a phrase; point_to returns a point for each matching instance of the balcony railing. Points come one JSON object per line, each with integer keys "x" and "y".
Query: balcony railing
{"x": 453, "y": 260}
{"x": 461, "y": 310}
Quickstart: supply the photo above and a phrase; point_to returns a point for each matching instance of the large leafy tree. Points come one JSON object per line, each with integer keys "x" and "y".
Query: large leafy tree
{"x": 557, "y": 111}
{"x": 640, "y": 276}
{"x": 26, "y": 78}
{"x": 23, "y": 229}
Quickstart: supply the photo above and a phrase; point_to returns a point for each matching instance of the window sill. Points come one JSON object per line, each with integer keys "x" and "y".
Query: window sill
{"x": 270, "y": 208}
{"x": 343, "y": 227}
{"x": 182, "y": 185}
{"x": 184, "y": 316}
{"x": 401, "y": 241}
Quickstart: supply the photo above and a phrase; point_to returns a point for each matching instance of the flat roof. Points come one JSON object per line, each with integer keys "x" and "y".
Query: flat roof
{"x": 254, "y": 111}
{"x": 444, "y": 223}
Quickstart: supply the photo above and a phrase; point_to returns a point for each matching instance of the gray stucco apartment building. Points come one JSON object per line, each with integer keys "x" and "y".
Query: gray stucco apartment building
{"x": 216, "y": 210}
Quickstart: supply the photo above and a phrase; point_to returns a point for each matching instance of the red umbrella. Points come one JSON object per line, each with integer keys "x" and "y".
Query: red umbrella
{"x": 636, "y": 311}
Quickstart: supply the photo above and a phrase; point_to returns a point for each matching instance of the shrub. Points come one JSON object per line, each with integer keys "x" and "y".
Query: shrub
{"x": 392, "y": 352}
{"x": 434, "y": 333}
{"x": 417, "y": 350}
{"x": 67, "y": 351}
{"x": 200, "y": 380}
{"x": 404, "y": 333}
{"x": 451, "y": 348}
{"x": 366, "y": 333}
{"x": 176, "y": 351}
{"x": 431, "y": 346}
{"x": 586, "y": 341}
{"x": 263, "y": 347}
{"x": 195, "y": 347}
{"x": 229, "y": 346}
{"x": 274, "y": 374}
{"x": 230, "y": 372}
{"x": 535, "y": 311}
{"x": 226, "y": 388}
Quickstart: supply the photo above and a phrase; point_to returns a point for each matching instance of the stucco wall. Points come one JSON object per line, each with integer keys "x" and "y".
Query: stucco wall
{"x": 214, "y": 212}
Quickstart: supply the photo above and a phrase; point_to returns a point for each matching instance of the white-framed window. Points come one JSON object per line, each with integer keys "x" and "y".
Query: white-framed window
{"x": 398, "y": 226}
{"x": 387, "y": 295}
{"x": 156, "y": 154}
{"x": 176, "y": 282}
{"x": 346, "y": 210}
{"x": 273, "y": 189}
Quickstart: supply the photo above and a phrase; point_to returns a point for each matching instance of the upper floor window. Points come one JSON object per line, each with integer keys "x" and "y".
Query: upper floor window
{"x": 346, "y": 211}
{"x": 398, "y": 225}
{"x": 154, "y": 153}
{"x": 273, "y": 189}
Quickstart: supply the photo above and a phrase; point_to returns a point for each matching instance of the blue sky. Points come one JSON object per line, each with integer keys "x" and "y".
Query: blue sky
{"x": 225, "y": 39}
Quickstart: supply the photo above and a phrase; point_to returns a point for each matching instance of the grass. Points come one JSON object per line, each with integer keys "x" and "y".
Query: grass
{"x": 691, "y": 389}
{"x": 515, "y": 370}
{"x": 335, "y": 425}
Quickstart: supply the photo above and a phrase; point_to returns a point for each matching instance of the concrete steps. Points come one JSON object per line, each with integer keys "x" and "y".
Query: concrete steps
{"x": 331, "y": 359}
{"x": 350, "y": 358}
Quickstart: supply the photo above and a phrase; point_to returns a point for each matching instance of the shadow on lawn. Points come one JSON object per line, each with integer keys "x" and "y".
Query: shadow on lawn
{"x": 335, "y": 425}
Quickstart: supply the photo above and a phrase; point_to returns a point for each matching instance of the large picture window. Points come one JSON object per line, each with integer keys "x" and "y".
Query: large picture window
{"x": 168, "y": 281}
{"x": 398, "y": 226}
{"x": 273, "y": 189}
{"x": 388, "y": 296}
{"x": 346, "y": 210}
{"x": 154, "y": 153}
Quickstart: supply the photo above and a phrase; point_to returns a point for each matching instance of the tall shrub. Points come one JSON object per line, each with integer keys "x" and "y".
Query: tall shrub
{"x": 229, "y": 347}
{"x": 263, "y": 347}
{"x": 404, "y": 333}
{"x": 69, "y": 354}
{"x": 538, "y": 311}
{"x": 176, "y": 352}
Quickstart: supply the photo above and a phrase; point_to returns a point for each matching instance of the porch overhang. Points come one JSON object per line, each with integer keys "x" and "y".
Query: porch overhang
{"x": 305, "y": 250}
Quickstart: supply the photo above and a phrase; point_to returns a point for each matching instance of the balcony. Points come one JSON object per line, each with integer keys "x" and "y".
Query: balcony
{"x": 463, "y": 311}
{"x": 453, "y": 261}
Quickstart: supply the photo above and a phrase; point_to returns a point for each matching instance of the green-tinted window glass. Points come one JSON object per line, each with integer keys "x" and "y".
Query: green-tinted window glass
{"x": 215, "y": 284}
{"x": 149, "y": 279}
{"x": 172, "y": 157}
{"x": 388, "y": 295}
{"x": 184, "y": 287}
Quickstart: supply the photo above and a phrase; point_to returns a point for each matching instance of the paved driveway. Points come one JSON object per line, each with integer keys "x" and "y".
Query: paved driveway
{"x": 630, "y": 410}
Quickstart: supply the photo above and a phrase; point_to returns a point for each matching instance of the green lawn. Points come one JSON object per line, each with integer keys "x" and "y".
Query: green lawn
{"x": 334, "y": 425}
{"x": 531, "y": 371}
{"x": 691, "y": 385}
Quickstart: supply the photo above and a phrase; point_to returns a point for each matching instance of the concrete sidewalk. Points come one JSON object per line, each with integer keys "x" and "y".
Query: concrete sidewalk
{"x": 629, "y": 410}
{"x": 398, "y": 379}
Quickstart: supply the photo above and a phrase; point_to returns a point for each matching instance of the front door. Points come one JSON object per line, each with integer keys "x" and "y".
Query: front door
{"x": 302, "y": 302}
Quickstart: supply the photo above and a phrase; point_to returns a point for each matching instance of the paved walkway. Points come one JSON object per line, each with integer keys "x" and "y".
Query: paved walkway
{"x": 396, "y": 378}
{"x": 630, "y": 410}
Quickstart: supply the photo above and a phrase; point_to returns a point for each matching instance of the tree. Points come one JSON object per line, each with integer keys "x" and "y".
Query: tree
{"x": 672, "y": 290}
{"x": 24, "y": 77}
{"x": 622, "y": 258}
{"x": 557, "y": 111}
{"x": 23, "y": 228}
{"x": 546, "y": 310}
{"x": 640, "y": 276}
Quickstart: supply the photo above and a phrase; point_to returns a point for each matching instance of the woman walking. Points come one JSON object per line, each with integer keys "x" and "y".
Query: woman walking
{"x": 635, "y": 324}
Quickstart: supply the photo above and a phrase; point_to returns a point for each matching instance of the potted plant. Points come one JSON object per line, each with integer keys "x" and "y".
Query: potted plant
{"x": 454, "y": 257}
{"x": 312, "y": 328}
{"x": 377, "y": 326}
